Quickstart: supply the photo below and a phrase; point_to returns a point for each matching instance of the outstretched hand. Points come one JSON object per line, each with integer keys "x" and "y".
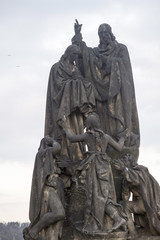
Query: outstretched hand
{"x": 63, "y": 163}
{"x": 119, "y": 165}
{"x": 77, "y": 27}
{"x": 125, "y": 134}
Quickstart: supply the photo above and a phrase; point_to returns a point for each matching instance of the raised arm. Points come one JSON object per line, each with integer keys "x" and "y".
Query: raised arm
{"x": 117, "y": 145}
{"x": 77, "y": 38}
{"x": 77, "y": 27}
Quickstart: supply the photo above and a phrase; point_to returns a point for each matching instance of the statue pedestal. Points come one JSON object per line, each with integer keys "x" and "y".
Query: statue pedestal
{"x": 101, "y": 236}
{"x": 148, "y": 238}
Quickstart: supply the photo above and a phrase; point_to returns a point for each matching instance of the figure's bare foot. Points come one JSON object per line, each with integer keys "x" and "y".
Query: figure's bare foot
{"x": 30, "y": 234}
{"x": 33, "y": 234}
{"x": 27, "y": 236}
{"x": 121, "y": 223}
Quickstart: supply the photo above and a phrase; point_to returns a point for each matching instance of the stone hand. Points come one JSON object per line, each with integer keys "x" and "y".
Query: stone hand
{"x": 119, "y": 165}
{"x": 77, "y": 27}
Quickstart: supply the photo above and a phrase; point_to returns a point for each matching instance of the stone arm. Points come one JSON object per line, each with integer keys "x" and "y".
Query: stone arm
{"x": 130, "y": 175}
{"x": 77, "y": 38}
{"x": 75, "y": 138}
{"x": 120, "y": 166}
{"x": 130, "y": 179}
{"x": 117, "y": 145}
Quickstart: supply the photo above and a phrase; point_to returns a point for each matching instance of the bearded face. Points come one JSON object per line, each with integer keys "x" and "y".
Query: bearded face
{"x": 105, "y": 34}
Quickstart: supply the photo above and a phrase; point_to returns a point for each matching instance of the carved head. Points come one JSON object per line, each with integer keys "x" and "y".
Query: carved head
{"x": 49, "y": 142}
{"x": 72, "y": 52}
{"x": 52, "y": 180}
{"x": 92, "y": 121}
{"x": 105, "y": 33}
{"x": 72, "y": 49}
{"x": 56, "y": 148}
{"x": 129, "y": 160}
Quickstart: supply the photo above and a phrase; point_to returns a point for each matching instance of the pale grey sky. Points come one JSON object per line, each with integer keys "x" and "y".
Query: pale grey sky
{"x": 34, "y": 35}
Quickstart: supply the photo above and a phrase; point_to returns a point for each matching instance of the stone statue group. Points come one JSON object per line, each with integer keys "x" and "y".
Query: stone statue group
{"x": 87, "y": 183}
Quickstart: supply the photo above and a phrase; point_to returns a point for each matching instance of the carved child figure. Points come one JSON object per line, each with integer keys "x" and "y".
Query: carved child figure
{"x": 100, "y": 191}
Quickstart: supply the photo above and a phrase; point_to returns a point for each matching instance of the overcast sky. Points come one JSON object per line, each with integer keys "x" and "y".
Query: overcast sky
{"x": 34, "y": 35}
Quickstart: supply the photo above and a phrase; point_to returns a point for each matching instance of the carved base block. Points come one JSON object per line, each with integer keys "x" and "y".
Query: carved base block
{"x": 148, "y": 238}
{"x": 101, "y": 236}
{"x": 71, "y": 233}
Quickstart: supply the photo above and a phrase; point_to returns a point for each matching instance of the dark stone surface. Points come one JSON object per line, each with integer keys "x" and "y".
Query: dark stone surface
{"x": 87, "y": 166}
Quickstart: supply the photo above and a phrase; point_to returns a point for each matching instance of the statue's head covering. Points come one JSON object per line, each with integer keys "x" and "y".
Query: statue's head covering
{"x": 72, "y": 49}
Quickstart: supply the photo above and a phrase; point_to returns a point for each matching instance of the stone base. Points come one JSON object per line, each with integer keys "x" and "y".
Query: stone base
{"x": 100, "y": 236}
{"x": 142, "y": 234}
{"x": 111, "y": 236}
{"x": 70, "y": 233}
{"x": 78, "y": 235}
{"x": 147, "y": 238}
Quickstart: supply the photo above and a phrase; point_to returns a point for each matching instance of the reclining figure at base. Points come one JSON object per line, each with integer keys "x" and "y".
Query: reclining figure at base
{"x": 47, "y": 196}
{"x": 145, "y": 203}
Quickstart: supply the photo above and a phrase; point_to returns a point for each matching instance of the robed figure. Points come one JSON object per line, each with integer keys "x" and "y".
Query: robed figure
{"x": 108, "y": 68}
{"x": 69, "y": 95}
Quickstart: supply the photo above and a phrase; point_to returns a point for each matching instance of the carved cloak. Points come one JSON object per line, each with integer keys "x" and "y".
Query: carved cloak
{"x": 99, "y": 189}
{"x": 43, "y": 167}
{"x": 65, "y": 95}
{"x": 149, "y": 191}
{"x": 109, "y": 71}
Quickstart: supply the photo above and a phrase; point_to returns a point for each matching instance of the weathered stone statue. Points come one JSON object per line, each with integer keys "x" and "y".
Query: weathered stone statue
{"x": 69, "y": 94}
{"x": 87, "y": 183}
{"x": 99, "y": 185}
{"x": 47, "y": 195}
{"x": 145, "y": 204}
{"x": 108, "y": 68}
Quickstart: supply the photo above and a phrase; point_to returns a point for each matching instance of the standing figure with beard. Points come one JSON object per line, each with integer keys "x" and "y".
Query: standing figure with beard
{"x": 108, "y": 68}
